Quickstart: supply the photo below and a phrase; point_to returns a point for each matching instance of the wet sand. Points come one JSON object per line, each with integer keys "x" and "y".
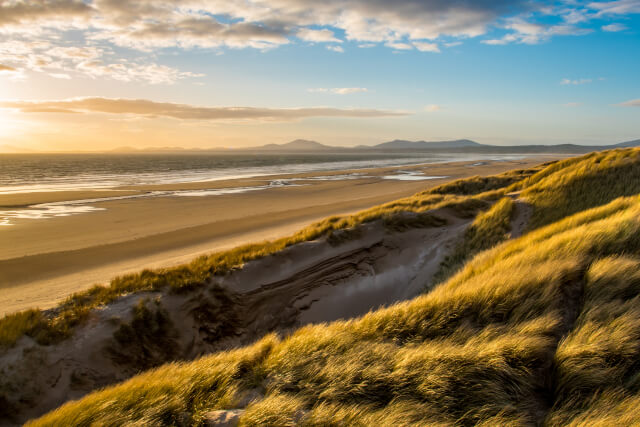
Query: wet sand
{"x": 43, "y": 261}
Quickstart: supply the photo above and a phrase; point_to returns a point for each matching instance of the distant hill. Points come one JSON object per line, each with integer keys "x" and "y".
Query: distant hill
{"x": 452, "y": 146}
{"x": 468, "y": 146}
{"x": 634, "y": 143}
{"x": 400, "y": 144}
{"x": 296, "y": 145}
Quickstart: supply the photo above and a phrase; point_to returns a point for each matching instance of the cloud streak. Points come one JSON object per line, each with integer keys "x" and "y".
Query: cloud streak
{"x": 151, "y": 109}
{"x": 339, "y": 90}
{"x": 614, "y": 28}
{"x": 575, "y": 82}
{"x": 631, "y": 103}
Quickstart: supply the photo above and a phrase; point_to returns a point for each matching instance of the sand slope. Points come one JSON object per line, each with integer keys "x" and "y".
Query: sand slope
{"x": 311, "y": 282}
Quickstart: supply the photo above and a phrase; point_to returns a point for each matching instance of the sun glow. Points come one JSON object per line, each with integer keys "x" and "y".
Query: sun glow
{"x": 5, "y": 124}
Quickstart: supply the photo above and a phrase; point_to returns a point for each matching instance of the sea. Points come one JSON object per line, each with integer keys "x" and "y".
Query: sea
{"x": 23, "y": 173}
{"x": 29, "y": 173}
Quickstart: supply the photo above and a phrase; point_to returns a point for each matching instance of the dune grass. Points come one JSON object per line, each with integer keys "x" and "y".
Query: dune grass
{"x": 538, "y": 330}
{"x": 482, "y": 184}
{"x": 573, "y": 185}
{"x": 541, "y": 329}
{"x": 597, "y": 368}
{"x": 487, "y": 230}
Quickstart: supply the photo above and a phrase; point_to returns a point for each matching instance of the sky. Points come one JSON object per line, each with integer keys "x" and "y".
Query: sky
{"x": 99, "y": 74}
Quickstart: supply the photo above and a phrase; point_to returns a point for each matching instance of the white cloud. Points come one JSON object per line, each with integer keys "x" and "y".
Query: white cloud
{"x": 131, "y": 72}
{"x": 399, "y": 45}
{"x": 632, "y": 103}
{"x": 433, "y": 108}
{"x": 453, "y": 44}
{"x": 619, "y": 7}
{"x": 348, "y": 90}
{"x": 575, "y": 81}
{"x": 150, "y": 109}
{"x": 318, "y": 36}
{"x": 63, "y": 76}
{"x": 495, "y": 42}
{"x": 339, "y": 90}
{"x": 33, "y": 16}
{"x": 614, "y": 28}
{"x": 146, "y": 24}
{"x": 91, "y": 61}
{"x": 150, "y": 25}
{"x": 427, "y": 47}
{"x": 526, "y": 32}
{"x": 572, "y": 104}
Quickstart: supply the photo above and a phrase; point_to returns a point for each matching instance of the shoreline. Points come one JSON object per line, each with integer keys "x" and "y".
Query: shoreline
{"x": 43, "y": 261}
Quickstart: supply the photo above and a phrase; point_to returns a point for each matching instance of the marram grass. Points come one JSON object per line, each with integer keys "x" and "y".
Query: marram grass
{"x": 540, "y": 330}
{"x": 506, "y": 341}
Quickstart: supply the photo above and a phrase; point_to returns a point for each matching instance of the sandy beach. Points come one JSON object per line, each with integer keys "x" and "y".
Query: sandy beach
{"x": 44, "y": 260}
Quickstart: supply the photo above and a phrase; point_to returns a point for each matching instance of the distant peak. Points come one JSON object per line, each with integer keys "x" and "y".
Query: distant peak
{"x": 404, "y": 144}
{"x": 297, "y": 144}
{"x": 303, "y": 143}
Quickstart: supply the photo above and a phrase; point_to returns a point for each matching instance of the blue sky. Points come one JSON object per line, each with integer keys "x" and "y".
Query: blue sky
{"x": 341, "y": 72}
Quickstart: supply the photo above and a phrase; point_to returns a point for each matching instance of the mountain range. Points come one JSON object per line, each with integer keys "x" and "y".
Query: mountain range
{"x": 309, "y": 146}
{"x": 458, "y": 145}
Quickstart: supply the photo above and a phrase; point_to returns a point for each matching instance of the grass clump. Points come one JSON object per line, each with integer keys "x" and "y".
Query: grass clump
{"x": 487, "y": 230}
{"x": 148, "y": 340}
{"x": 576, "y": 184}
{"x": 597, "y": 369}
{"x": 511, "y": 339}
{"x": 482, "y": 184}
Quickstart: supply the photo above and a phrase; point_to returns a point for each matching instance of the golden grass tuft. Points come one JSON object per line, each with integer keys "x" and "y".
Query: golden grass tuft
{"x": 487, "y": 230}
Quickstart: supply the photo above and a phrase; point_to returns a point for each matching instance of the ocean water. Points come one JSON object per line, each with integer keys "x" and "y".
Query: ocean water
{"x": 25, "y": 173}
{"x": 21, "y": 173}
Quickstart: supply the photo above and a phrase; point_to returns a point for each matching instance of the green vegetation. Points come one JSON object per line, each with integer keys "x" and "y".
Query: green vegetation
{"x": 540, "y": 330}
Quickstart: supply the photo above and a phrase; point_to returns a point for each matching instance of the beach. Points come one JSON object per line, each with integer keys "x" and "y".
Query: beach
{"x": 132, "y": 227}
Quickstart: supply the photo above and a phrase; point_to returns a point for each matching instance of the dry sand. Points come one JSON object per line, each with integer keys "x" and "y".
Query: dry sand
{"x": 43, "y": 261}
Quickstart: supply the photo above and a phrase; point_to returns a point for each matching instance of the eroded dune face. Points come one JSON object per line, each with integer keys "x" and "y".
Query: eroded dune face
{"x": 341, "y": 277}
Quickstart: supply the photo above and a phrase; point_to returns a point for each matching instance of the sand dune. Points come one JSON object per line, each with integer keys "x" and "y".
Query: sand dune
{"x": 311, "y": 282}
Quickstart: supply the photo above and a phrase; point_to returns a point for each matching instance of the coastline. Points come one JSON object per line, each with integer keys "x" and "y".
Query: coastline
{"x": 43, "y": 261}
